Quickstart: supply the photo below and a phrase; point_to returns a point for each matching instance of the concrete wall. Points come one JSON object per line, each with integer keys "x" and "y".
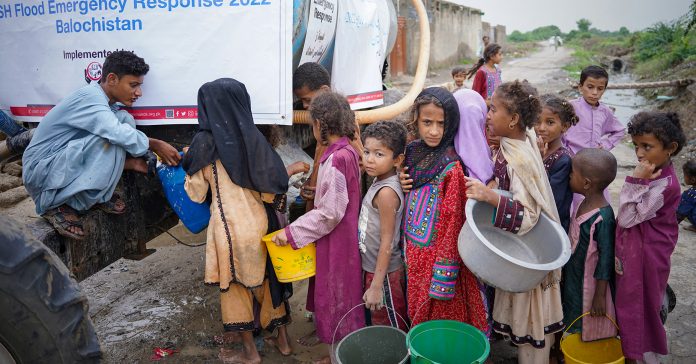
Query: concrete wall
{"x": 455, "y": 31}
{"x": 500, "y": 34}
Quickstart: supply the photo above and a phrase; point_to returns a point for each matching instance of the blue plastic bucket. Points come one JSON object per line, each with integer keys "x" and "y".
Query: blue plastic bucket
{"x": 195, "y": 216}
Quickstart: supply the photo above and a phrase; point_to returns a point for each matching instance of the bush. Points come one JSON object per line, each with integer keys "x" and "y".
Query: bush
{"x": 652, "y": 41}
{"x": 671, "y": 43}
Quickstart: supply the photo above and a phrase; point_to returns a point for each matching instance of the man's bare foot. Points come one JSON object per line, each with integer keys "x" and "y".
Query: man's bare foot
{"x": 324, "y": 360}
{"x": 229, "y": 356}
{"x": 66, "y": 222}
{"x": 135, "y": 164}
{"x": 310, "y": 339}
{"x": 227, "y": 338}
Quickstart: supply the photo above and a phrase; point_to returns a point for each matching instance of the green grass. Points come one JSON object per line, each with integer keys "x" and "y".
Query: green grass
{"x": 582, "y": 58}
{"x": 467, "y": 61}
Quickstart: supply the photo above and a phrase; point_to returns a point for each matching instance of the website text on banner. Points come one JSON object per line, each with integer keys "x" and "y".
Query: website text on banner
{"x": 52, "y": 47}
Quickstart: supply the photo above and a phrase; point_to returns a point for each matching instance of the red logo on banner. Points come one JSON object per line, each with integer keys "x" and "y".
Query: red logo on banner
{"x": 93, "y": 72}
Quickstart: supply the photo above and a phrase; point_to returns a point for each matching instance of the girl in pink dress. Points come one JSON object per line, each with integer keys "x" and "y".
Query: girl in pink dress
{"x": 333, "y": 224}
{"x": 646, "y": 235}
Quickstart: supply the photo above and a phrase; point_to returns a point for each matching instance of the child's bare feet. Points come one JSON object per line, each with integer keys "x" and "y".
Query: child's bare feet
{"x": 310, "y": 339}
{"x": 284, "y": 348}
{"x": 229, "y": 356}
{"x": 280, "y": 342}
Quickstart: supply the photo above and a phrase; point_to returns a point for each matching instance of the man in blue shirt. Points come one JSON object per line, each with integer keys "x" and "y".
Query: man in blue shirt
{"x": 79, "y": 151}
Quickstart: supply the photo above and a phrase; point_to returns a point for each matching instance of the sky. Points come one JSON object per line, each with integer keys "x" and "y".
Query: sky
{"x": 525, "y": 15}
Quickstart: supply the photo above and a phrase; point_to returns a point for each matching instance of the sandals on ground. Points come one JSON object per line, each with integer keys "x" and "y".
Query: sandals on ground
{"x": 59, "y": 222}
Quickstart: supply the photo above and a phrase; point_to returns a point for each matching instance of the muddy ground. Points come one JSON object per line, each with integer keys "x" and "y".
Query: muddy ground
{"x": 160, "y": 301}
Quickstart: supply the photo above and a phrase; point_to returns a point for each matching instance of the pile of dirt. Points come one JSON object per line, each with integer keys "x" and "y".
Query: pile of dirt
{"x": 684, "y": 102}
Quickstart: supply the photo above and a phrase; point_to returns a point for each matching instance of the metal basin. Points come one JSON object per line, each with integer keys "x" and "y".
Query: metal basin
{"x": 513, "y": 263}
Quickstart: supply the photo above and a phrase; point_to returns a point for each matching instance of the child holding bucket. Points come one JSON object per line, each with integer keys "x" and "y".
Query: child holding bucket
{"x": 380, "y": 225}
{"x": 440, "y": 286}
{"x": 243, "y": 172}
{"x": 530, "y": 318}
{"x": 588, "y": 277}
{"x": 333, "y": 223}
{"x": 647, "y": 235}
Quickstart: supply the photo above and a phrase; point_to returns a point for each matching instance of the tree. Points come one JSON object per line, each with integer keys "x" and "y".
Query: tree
{"x": 624, "y": 31}
{"x": 584, "y": 25}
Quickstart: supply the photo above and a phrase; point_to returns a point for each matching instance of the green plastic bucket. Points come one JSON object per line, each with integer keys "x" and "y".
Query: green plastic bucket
{"x": 447, "y": 342}
{"x": 373, "y": 345}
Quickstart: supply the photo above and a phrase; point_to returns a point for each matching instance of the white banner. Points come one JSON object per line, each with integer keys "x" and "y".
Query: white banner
{"x": 357, "y": 64}
{"x": 320, "y": 30}
{"x": 52, "y": 47}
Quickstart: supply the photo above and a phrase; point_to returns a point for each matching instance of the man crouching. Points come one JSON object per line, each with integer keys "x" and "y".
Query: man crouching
{"x": 78, "y": 152}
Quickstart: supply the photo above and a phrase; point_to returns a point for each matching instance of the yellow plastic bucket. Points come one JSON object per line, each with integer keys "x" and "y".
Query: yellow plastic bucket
{"x": 291, "y": 265}
{"x": 605, "y": 351}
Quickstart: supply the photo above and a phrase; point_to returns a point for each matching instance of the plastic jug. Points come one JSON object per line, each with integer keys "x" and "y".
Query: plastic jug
{"x": 195, "y": 216}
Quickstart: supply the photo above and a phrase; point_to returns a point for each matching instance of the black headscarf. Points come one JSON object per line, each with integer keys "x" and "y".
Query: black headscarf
{"x": 425, "y": 163}
{"x": 227, "y": 132}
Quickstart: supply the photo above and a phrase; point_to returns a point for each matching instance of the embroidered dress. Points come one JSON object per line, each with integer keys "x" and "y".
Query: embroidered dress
{"x": 440, "y": 286}
{"x": 235, "y": 261}
{"x": 592, "y": 241}
{"x": 218, "y": 161}
{"x": 333, "y": 225}
{"x": 528, "y": 317}
{"x": 558, "y": 165}
{"x": 646, "y": 236}
{"x": 687, "y": 206}
{"x": 486, "y": 81}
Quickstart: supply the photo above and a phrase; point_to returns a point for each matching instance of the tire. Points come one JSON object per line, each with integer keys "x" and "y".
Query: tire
{"x": 44, "y": 314}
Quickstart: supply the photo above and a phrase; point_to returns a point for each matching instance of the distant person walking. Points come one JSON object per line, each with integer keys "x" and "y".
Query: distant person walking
{"x": 486, "y": 40}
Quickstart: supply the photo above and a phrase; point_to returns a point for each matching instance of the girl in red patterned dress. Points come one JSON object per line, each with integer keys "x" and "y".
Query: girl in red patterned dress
{"x": 439, "y": 286}
{"x": 486, "y": 72}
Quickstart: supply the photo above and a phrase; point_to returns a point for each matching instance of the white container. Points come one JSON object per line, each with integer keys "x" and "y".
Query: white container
{"x": 511, "y": 262}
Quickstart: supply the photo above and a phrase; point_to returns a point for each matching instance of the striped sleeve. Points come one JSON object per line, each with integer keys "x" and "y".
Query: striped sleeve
{"x": 640, "y": 200}
{"x": 329, "y": 209}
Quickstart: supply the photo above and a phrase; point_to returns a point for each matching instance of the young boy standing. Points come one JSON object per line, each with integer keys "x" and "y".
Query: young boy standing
{"x": 597, "y": 126}
{"x": 309, "y": 81}
{"x": 379, "y": 225}
{"x": 458, "y": 77}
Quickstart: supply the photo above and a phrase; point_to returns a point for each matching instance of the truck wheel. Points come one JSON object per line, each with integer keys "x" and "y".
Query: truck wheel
{"x": 44, "y": 314}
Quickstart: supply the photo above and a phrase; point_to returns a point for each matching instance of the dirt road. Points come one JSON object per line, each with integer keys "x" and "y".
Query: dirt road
{"x": 542, "y": 68}
{"x": 161, "y": 300}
